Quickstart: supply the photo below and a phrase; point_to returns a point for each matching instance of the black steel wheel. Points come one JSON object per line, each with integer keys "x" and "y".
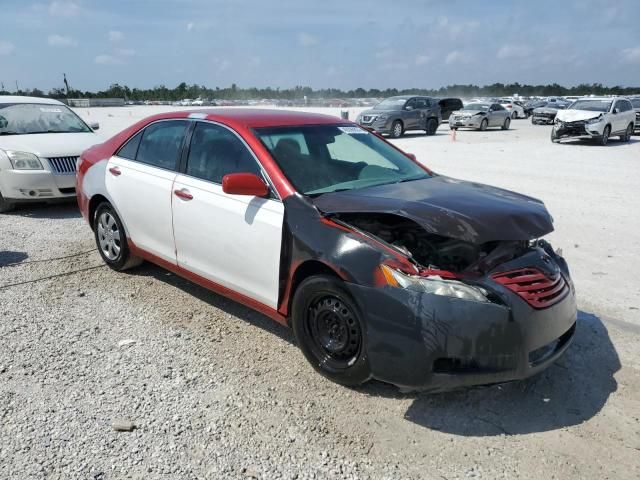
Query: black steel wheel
{"x": 330, "y": 331}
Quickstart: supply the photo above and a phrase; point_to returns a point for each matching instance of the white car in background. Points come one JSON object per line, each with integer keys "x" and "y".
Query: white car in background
{"x": 40, "y": 142}
{"x": 513, "y": 107}
{"x": 595, "y": 118}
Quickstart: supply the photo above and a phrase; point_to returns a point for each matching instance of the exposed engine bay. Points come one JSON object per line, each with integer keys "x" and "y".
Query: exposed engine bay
{"x": 432, "y": 250}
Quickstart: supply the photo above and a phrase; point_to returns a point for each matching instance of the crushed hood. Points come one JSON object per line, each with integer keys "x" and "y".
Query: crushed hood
{"x": 576, "y": 115}
{"x": 467, "y": 211}
{"x": 51, "y": 144}
{"x": 546, "y": 110}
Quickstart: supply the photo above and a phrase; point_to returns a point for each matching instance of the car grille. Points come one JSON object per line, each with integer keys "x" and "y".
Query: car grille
{"x": 63, "y": 165}
{"x": 573, "y": 128}
{"x": 536, "y": 288}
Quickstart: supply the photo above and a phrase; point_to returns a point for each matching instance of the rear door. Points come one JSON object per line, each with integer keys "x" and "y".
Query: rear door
{"x": 232, "y": 240}
{"x": 139, "y": 180}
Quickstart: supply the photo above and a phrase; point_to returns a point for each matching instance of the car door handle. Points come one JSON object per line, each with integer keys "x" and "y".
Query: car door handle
{"x": 183, "y": 194}
{"x": 115, "y": 171}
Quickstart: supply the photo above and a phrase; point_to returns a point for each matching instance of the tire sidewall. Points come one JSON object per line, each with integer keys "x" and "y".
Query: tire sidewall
{"x": 484, "y": 124}
{"x": 393, "y": 129}
{"x": 352, "y": 376}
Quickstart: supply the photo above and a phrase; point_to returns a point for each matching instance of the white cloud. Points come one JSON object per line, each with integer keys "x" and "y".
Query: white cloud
{"x": 221, "y": 64}
{"x": 455, "y": 56}
{"x": 307, "y": 40}
{"x": 631, "y": 55}
{"x": 394, "y": 66}
{"x": 6, "y": 48}
{"x": 190, "y": 26}
{"x": 422, "y": 60}
{"x": 107, "y": 60}
{"x": 255, "y": 62}
{"x": 64, "y": 8}
{"x": 116, "y": 36}
{"x": 514, "y": 51}
{"x": 61, "y": 41}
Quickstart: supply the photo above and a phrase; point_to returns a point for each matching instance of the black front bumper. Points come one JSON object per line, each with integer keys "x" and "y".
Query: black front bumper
{"x": 422, "y": 341}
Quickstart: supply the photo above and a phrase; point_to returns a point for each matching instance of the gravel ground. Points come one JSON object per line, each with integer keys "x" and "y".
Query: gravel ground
{"x": 215, "y": 390}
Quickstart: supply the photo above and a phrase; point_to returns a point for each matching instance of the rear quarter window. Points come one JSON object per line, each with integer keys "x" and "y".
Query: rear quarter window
{"x": 130, "y": 149}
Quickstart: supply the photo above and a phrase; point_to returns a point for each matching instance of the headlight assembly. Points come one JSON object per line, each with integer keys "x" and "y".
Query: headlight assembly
{"x": 433, "y": 284}
{"x": 382, "y": 118}
{"x": 24, "y": 160}
{"x": 598, "y": 119}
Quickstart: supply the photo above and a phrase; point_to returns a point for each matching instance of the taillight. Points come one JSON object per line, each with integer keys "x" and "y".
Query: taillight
{"x": 509, "y": 106}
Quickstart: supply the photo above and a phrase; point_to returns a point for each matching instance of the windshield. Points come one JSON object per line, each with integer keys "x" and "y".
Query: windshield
{"x": 635, "y": 102}
{"x": 481, "y": 107}
{"x": 392, "y": 103}
{"x": 328, "y": 158}
{"x": 592, "y": 105}
{"x": 26, "y": 118}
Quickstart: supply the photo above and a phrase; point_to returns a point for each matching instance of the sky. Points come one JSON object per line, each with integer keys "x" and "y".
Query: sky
{"x": 330, "y": 43}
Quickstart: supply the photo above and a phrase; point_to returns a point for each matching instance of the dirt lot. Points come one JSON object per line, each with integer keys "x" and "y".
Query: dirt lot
{"x": 216, "y": 390}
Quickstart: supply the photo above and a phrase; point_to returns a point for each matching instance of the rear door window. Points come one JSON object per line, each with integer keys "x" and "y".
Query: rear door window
{"x": 130, "y": 149}
{"x": 161, "y": 144}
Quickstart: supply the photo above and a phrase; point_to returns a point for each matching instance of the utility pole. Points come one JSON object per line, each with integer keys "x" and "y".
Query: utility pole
{"x": 66, "y": 84}
{"x": 17, "y": 87}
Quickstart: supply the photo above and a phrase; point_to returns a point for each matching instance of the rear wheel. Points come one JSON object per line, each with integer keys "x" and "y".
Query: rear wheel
{"x": 397, "y": 129}
{"x": 604, "y": 139}
{"x": 507, "y": 122}
{"x": 514, "y": 114}
{"x": 627, "y": 134}
{"x": 112, "y": 240}
{"x": 330, "y": 331}
{"x": 5, "y": 206}
{"x": 484, "y": 124}
{"x": 432, "y": 126}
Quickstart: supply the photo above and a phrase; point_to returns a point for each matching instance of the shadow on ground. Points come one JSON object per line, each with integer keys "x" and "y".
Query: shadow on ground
{"x": 570, "y": 392}
{"x": 61, "y": 210}
{"x": 218, "y": 301}
{"x": 8, "y": 257}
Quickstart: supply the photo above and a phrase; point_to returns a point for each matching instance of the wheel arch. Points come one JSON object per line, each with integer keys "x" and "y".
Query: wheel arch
{"x": 96, "y": 200}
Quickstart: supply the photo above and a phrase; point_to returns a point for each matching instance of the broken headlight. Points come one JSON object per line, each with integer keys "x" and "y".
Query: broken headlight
{"x": 433, "y": 284}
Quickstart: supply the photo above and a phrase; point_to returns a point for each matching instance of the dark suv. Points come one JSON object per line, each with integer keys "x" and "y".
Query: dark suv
{"x": 449, "y": 105}
{"x": 396, "y": 115}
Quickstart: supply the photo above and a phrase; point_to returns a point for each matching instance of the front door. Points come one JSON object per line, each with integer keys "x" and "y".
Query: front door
{"x": 232, "y": 240}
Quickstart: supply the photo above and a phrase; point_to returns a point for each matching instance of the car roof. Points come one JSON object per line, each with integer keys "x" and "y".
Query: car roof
{"x": 255, "y": 117}
{"x": 23, "y": 99}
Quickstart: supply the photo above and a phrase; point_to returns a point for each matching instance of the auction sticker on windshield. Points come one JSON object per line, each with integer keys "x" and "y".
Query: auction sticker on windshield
{"x": 353, "y": 130}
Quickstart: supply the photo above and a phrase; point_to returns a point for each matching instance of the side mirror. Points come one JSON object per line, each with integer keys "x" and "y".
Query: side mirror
{"x": 244, "y": 184}
{"x": 616, "y": 110}
{"x": 412, "y": 156}
{"x": 408, "y": 108}
{"x": 94, "y": 126}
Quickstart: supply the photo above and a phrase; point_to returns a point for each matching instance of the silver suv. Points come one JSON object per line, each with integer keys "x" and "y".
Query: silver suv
{"x": 595, "y": 118}
{"x": 396, "y": 115}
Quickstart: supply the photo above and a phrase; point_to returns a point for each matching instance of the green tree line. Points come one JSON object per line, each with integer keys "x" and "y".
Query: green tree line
{"x": 183, "y": 90}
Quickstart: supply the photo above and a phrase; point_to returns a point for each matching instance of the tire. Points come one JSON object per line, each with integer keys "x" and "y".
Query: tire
{"x": 5, "y": 206}
{"x": 453, "y": 128}
{"x": 397, "y": 129}
{"x": 604, "y": 139}
{"x": 627, "y": 134}
{"x": 533, "y": 122}
{"x": 330, "y": 331}
{"x": 505, "y": 125}
{"x": 484, "y": 124}
{"x": 432, "y": 126}
{"x": 111, "y": 239}
{"x": 554, "y": 139}
{"x": 514, "y": 115}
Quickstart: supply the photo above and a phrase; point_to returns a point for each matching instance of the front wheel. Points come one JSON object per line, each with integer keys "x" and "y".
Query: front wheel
{"x": 396, "y": 129}
{"x": 554, "y": 138}
{"x": 432, "y": 126}
{"x": 604, "y": 139}
{"x": 507, "y": 122}
{"x": 111, "y": 239}
{"x": 484, "y": 124}
{"x": 330, "y": 330}
{"x": 5, "y": 206}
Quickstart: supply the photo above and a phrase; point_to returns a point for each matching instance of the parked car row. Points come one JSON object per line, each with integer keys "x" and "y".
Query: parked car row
{"x": 383, "y": 269}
